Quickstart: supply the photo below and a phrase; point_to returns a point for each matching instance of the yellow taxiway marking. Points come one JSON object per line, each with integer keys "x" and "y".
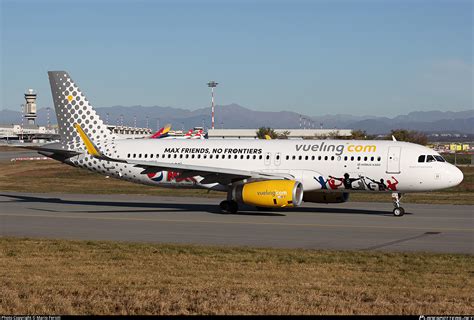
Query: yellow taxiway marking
{"x": 235, "y": 222}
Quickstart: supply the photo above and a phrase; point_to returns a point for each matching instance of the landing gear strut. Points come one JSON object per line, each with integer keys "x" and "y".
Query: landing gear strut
{"x": 229, "y": 206}
{"x": 398, "y": 211}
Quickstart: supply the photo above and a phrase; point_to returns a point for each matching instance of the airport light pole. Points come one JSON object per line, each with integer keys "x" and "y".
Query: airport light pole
{"x": 48, "y": 109}
{"x": 212, "y": 85}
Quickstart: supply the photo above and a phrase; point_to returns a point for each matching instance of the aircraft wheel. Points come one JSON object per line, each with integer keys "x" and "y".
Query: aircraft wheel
{"x": 227, "y": 206}
{"x": 233, "y": 207}
{"x": 224, "y": 206}
{"x": 398, "y": 212}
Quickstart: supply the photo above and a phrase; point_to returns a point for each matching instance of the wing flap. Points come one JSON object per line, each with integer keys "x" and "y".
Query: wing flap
{"x": 210, "y": 174}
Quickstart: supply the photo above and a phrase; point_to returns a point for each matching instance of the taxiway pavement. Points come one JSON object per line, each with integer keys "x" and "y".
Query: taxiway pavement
{"x": 192, "y": 220}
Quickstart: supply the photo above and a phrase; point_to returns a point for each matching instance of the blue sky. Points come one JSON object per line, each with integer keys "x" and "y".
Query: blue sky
{"x": 314, "y": 57}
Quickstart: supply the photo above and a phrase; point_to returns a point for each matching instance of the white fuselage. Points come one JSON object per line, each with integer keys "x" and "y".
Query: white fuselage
{"x": 320, "y": 165}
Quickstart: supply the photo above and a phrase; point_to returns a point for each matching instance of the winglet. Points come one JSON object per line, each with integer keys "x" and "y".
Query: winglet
{"x": 267, "y": 137}
{"x": 91, "y": 147}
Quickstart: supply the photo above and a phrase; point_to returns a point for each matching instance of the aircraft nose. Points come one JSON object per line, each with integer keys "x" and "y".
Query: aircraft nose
{"x": 455, "y": 176}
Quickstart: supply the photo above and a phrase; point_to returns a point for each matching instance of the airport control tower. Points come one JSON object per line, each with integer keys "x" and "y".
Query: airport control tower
{"x": 30, "y": 106}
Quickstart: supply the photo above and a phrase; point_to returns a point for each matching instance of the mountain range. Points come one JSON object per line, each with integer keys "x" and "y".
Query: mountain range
{"x": 236, "y": 116}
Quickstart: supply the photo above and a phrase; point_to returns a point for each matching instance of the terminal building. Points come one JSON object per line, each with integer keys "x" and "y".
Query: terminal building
{"x": 29, "y": 132}
{"x": 292, "y": 133}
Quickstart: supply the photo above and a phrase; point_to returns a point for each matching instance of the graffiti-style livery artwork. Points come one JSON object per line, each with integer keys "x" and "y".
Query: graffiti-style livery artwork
{"x": 360, "y": 183}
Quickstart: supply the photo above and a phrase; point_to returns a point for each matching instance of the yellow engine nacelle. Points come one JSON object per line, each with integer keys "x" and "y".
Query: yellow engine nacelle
{"x": 270, "y": 193}
{"x": 325, "y": 197}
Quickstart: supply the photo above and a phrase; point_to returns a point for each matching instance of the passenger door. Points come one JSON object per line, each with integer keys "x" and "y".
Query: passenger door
{"x": 393, "y": 159}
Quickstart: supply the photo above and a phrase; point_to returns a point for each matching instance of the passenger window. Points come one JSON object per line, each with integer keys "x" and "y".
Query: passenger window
{"x": 128, "y": 155}
{"x": 146, "y": 155}
{"x": 248, "y": 156}
{"x": 365, "y": 158}
{"x": 287, "y": 157}
{"x": 379, "y": 158}
{"x": 312, "y": 157}
{"x": 278, "y": 157}
{"x": 181, "y": 156}
{"x": 332, "y": 158}
{"x": 306, "y": 157}
{"x": 319, "y": 158}
{"x": 151, "y": 155}
{"x": 169, "y": 155}
{"x": 371, "y": 158}
{"x": 326, "y": 158}
{"x": 139, "y": 155}
{"x": 430, "y": 158}
{"x": 210, "y": 157}
{"x": 187, "y": 156}
{"x": 293, "y": 157}
{"x": 358, "y": 158}
{"x": 229, "y": 156}
{"x": 254, "y": 157}
{"x": 345, "y": 158}
{"x": 440, "y": 158}
{"x": 421, "y": 158}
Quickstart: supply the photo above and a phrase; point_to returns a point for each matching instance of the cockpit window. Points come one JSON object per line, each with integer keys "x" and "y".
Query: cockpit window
{"x": 440, "y": 158}
{"x": 430, "y": 158}
{"x": 421, "y": 158}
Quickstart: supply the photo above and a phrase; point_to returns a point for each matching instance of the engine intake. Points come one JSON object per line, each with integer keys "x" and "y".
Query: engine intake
{"x": 270, "y": 193}
{"x": 326, "y": 197}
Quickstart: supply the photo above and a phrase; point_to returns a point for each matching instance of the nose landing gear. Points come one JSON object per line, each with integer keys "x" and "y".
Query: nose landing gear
{"x": 398, "y": 211}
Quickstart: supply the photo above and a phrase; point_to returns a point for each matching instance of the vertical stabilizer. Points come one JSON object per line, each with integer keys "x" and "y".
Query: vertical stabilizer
{"x": 73, "y": 108}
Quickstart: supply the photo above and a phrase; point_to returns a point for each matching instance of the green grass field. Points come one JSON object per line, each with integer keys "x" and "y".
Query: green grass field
{"x": 52, "y": 176}
{"x": 98, "y": 277}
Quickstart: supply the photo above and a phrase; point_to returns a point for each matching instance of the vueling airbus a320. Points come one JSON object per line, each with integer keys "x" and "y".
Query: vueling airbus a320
{"x": 262, "y": 173}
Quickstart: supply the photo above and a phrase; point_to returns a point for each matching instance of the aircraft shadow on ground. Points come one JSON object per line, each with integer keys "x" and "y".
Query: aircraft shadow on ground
{"x": 143, "y": 207}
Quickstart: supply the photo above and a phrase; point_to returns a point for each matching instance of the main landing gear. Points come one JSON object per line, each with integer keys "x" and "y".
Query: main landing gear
{"x": 229, "y": 206}
{"x": 398, "y": 211}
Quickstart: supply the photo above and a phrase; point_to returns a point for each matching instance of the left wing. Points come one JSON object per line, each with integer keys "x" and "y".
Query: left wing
{"x": 210, "y": 174}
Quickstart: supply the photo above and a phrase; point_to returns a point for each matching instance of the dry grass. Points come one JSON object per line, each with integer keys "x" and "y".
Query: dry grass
{"x": 92, "y": 277}
{"x": 51, "y": 176}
